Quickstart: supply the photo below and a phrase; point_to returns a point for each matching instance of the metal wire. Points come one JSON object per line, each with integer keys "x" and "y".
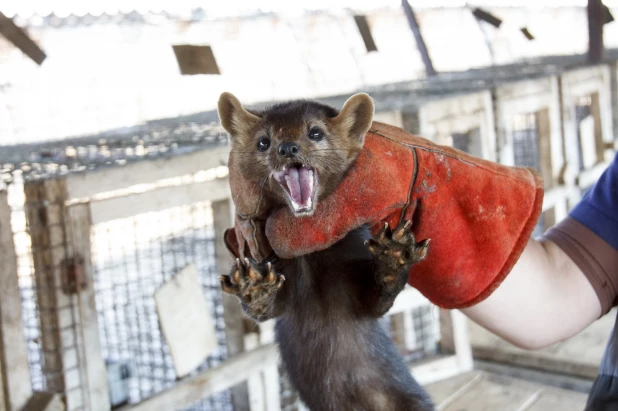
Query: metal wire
{"x": 132, "y": 258}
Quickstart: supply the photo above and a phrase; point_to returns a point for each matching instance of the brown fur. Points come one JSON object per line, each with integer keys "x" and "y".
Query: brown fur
{"x": 327, "y": 303}
{"x": 290, "y": 122}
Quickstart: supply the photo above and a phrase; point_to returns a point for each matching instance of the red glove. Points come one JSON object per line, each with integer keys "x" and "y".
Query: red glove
{"x": 478, "y": 214}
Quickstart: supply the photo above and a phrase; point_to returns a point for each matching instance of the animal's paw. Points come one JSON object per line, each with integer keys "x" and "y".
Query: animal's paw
{"x": 252, "y": 282}
{"x": 397, "y": 249}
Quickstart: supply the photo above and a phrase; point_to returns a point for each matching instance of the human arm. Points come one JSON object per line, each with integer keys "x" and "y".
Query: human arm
{"x": 545, "y": 299}
{"x": 563, "y": 282}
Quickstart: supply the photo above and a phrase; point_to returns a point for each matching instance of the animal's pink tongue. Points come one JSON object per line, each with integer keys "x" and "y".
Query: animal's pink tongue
{"x": 305, "y": 186}
{"x": 300, "y": 185}
{"x": 294, "y": 185}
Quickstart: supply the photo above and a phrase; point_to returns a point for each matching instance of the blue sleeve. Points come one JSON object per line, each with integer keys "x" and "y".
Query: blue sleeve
{"x": 598, "y": 209}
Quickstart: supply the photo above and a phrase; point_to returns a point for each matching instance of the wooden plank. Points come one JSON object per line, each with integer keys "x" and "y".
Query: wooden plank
{"x": 418, "y": 36}
{"x": 193, "y": 59}
{"x": 233, "y": 316}
{"x": 545, "y": 151}
{"x": 20, "y": 39}
{"x": 272, "y": 387}
{"x": 363, "y": 27}
{"x": 436, "y": 369}
{"x": 488, "y": 127}
{"x": 14, "y": 367}
{"x": 232, "y": 372}
{"x": 494, "y": 393}
{"x": 59, "y": 340}
{"x": 159, "y": 199}
{"x": 599, "y": 140}
{"x": 588, "y": 177}
{"x": 265, "y": 387}
{"x": 448, "y": 390}
{"x": 461, "y": 340}
{"x": 88, "y": 184}
{"x": 596, "y": 15}
{"x": 523, "y": 88}
{"x": 553, "y": 399}
{"x": 79, "y": 226}
{"x": 613, "y": 106}
{"x": 556, "y": 122}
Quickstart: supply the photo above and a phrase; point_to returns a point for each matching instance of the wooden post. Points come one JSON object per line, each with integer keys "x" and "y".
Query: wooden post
{"x": 461, "y": 340}
{"x": 595, "y": 30}
{"x": 232, "y": 313}
{"x": 72, "y": 362}
{"x": 44, "y": 213}
{"x": 613, "y": 85}
{"x": 15, "y": 385}
{"x": 79, "y": 224}
{"x": 418, "y": 36}
{"x": 447, "y": 339}
{"x": 599, "y": 142}
{"x": 545, "y": 149}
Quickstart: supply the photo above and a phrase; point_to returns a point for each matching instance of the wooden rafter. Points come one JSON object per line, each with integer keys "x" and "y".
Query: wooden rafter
{"x": 20, "y": 39}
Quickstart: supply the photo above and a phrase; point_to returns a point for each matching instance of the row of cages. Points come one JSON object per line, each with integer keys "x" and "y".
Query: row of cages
{"x": 134, "y": 256}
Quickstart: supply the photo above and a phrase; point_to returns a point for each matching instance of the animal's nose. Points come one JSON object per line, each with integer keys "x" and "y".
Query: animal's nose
{"x": 288, "y": 150}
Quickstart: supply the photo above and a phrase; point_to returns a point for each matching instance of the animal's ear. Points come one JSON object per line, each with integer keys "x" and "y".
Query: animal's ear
{"x": 354, "y": 119}
{"x": 235, "y": 119}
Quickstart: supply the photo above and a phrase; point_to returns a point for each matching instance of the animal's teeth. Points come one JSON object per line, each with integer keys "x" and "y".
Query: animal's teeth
{"x": 309, "y": 202}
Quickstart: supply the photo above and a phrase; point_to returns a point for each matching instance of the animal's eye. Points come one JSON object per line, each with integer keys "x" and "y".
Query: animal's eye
{"x": 316, "y": 134}
{"x": 263, "y": 144}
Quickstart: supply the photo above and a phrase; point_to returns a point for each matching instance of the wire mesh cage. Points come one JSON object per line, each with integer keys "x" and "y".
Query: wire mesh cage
{"x": 526, "y": 152}
{"x": 132, "y": 258}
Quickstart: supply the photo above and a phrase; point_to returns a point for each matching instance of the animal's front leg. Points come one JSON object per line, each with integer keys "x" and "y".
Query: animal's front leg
{"x": 394, "y": 252}
{"x": 257, "y": 286}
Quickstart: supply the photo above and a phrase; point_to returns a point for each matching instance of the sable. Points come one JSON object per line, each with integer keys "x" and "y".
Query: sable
{"x": 327, "y": 303}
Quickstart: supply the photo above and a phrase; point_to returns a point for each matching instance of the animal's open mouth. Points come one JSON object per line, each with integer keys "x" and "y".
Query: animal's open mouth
{"x": 300, "y": 184}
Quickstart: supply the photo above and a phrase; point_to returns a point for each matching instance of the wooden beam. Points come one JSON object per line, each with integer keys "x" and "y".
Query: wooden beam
{"x": 58, "y": 311}
{"x": 587, "y": 178}
{"x": 20, "y": 39}
{"x": 14, "y": 369}
{"x": 194, "y": 59}
{"x": 420, "y": 42}
{"x": 203, "y": 385}
{"x": 487, "y": 17}
{"x": 232, "y": 313}
{"x": 79, "y": 224}
{"x": 87, "y": 184}
{"x": 159, "y": 199}
{"x": 596, "y": 15}
{"x": 363, "y": 27}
